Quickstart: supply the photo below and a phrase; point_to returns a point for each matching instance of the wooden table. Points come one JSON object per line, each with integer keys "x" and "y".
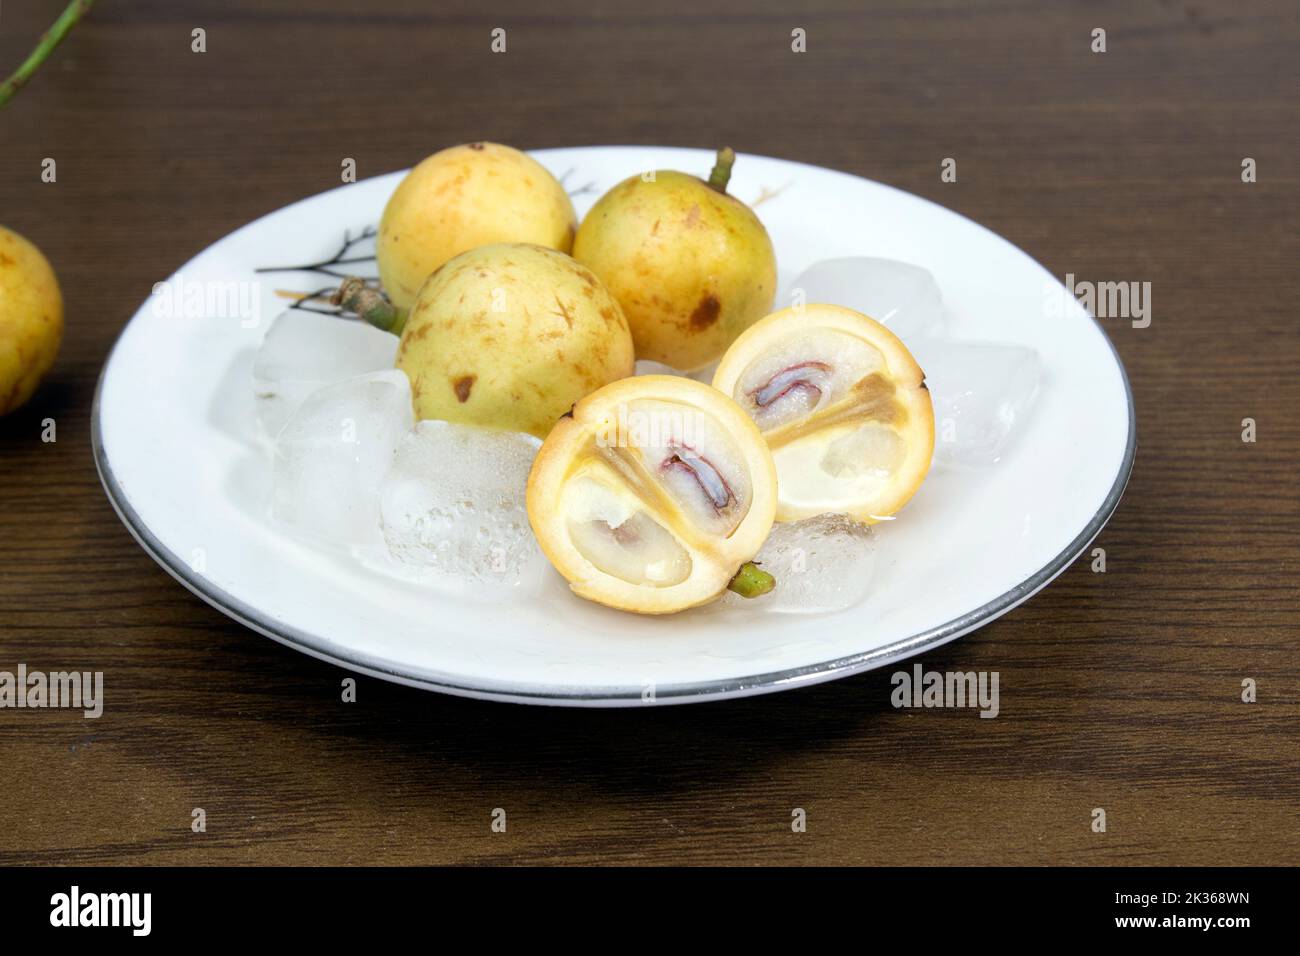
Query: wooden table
{"x": 1119, "y": 690}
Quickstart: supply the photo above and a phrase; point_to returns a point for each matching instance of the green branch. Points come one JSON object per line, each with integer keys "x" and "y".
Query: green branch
{"x": 52, "y": 38}
{"x": 721, "y": 173}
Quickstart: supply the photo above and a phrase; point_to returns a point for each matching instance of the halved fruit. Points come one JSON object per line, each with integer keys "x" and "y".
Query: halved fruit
{"x": 652, "y": 493}
{"x": 841, "y": 404}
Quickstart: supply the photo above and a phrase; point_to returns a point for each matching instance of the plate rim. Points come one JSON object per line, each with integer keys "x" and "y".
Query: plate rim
{"x": 618, "y": 696}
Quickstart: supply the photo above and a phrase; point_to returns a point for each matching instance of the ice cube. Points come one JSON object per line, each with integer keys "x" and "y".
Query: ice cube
{"x": 902, "y": 296}
{"x": 303, "y": 351}
{"x": 820, "y": 564}
{"x": 648, "y": 367}
{"x": 983, "y": 392}
{"x": 453, "y": 503}
{"x": 334, "y": 451}
{"x": 705, "y": 374}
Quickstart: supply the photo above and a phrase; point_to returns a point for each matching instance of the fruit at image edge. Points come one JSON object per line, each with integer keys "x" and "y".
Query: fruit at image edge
{"x": 842, "y": 405}
{"x": 509, "y": 336}
{"x": 653, "y": 496}
{"x": 692, "y": 266}
{"x": 31, "y": 319}
{"x": 461, "y": 198}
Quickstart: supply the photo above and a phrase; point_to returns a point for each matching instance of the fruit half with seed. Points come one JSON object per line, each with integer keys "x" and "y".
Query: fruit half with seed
{"x": 841, "y": 404}
{"x": 652, "y": 494}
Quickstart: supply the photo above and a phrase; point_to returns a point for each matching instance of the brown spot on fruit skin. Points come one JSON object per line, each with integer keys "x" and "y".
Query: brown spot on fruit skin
{"x": 564, "y": 312}
{"x": 478, "y": 147}
{"x": 706, "y": 313}
{"x": 462, "y": 387}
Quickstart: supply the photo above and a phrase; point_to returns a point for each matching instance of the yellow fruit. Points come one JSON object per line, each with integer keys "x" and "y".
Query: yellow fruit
{"x": 510, "y": 336}
{"x": 842, "y": 405}
{"x": 31, "y": 319}
{"x": 652, "y": 494}
{"x": 692, "y": 266}
{"x": 462, "y": 198}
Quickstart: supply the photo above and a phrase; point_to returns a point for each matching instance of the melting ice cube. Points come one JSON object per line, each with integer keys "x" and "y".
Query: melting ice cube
{"x": 647, "y": 367}
{"x": 900, "y": 295}
{"x": 334, "y": 451}
{"x": 303, "y": 351}
{"x": 453, "y": 503}
{"x": 983, "y": 392}
{"x": 820, "y": 564}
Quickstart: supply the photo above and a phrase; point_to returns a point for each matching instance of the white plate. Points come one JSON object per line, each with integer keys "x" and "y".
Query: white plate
{"x": 175, "y": 442}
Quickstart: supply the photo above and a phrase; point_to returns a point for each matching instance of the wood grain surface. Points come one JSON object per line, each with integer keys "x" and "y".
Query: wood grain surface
{"x": 1119, "y": 690}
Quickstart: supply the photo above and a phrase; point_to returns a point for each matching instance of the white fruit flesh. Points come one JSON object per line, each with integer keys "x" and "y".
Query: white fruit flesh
{"x": 832, "y": 471}
{"x": 613, "y": 531}
{"x": 812, "y": 370}
{"x": 692, "y": 457}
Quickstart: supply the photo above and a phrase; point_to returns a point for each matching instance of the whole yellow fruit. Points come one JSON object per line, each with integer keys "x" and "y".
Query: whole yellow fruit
{"x": 31, "y": 319}
{"x": 692, "y": 266}
{"x": 461, "y": 198}
{"x": 511, "y": 336}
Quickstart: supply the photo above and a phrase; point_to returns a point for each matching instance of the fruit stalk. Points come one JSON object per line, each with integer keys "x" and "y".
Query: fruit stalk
{"x": 49, "y": 40}
{"x": 721, "y": 173}
{"x": 371, "y": 304}
{"x": 751, "y": 581}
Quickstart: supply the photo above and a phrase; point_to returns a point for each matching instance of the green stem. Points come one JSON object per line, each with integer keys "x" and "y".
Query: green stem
{"x": 371, "y": 304}
{"x": 751, "y": 581}
{"x": 51, "y": 38}
{"x": 721, "y": 174}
